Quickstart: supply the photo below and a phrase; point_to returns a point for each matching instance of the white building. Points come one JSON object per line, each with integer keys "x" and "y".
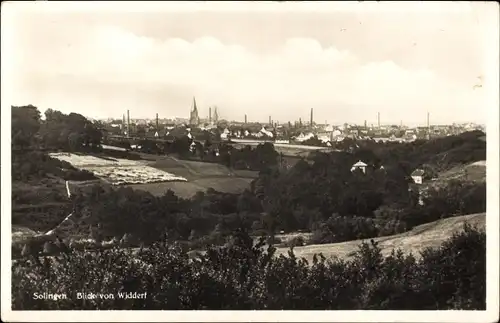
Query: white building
{"x": 265, "y": 132}
{"x": 302, "y": 137}
{"x": 418, "y": 176}
{"x": 359, "y": 165}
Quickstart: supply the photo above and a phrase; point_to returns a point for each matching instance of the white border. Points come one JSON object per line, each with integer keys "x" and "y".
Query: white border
{"x": 487, "y": 11}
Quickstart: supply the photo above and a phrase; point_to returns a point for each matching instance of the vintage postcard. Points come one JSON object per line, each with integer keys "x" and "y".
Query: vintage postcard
{"x": 250, "y": 161}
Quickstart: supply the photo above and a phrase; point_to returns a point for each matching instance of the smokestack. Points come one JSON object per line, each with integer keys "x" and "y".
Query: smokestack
{"x": 210, "y": 114}
{"x": 123, "y": 123}
{"x": 245, "y": 118}
{"x": 365, "y": 124}
{"x": 157, "y": 124}
{"x": 378, "y": 119}
{"x": 270, "y": 121}
{"x": 300, "y": 122}
{"x": 312, "y": 116}
{"x": 428, "y": 126}
{"x": 128, "y": 123}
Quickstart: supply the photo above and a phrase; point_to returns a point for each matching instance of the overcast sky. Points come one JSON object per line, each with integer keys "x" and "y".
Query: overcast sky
{"x": 346, "y": 64}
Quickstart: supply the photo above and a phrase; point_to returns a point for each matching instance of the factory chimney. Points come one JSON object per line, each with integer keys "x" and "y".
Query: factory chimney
{"x": 128, "y": 123}
{"x": 270, "y": 121}
{"x": 312, "y": 116}
{"x": 245, "y": 118}
{"x": 378, "y": 118}
{"x": 157, "y": 123}
{"x": 210, "y": 115}
{"x": 428, "y": 126}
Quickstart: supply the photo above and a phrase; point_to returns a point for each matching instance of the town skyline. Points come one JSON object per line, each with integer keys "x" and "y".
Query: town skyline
{"x": 345, "y": 68}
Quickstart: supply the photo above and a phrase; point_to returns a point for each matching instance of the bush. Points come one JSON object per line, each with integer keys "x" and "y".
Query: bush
{"x": 246, "y": 276}
{"x": 344, "y": 228}
{"x": 295, "y": 242}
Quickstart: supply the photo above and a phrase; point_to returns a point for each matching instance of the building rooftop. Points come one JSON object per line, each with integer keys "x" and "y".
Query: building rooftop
{"x": 418, "y": 172}
{"x": 359, "y": 164}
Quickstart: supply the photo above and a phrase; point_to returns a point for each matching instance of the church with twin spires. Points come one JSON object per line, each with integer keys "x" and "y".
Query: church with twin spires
{"x": 194, "y": 118}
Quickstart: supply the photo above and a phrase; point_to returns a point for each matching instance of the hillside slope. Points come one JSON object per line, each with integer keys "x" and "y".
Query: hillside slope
{"x": 475, "y": 171}
{"x": 416, "y": 240}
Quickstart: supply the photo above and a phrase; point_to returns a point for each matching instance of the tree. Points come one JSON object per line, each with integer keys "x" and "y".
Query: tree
{"x": 181, "y": 145}
{"x": 75, "y": 141}
{"x": 71, "y": 131}
{"x": 24, "y": 126}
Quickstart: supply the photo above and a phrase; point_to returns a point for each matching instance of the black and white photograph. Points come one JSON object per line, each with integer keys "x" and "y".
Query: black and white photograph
{"x": 250, "y": 161}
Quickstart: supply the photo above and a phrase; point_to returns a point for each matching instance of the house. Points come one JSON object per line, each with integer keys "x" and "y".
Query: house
{"x": 266, "y": 132}
{"x": 417, "y": 176}
{"x": 324, "y": 136}
{"x": 359, "y": 165}
{"x": 302, "y": 137}
{"x": 192, "y": 147}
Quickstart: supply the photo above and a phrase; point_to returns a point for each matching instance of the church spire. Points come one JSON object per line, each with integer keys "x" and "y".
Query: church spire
{"x": 194, "y": 118}
{"x": 195, "y": 109}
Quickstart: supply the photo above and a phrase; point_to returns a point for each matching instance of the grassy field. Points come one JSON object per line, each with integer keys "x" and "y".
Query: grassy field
{"x": 188, "y": 189}
{"x": 475, "y": 172}
{"x": 423, "y": 236}
{"x": 201, "y": 176}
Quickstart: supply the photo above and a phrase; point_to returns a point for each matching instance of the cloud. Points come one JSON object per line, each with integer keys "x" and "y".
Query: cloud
{"x": 286, "y": 82}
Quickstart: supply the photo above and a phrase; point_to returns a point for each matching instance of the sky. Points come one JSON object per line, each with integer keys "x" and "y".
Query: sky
{"x": 346, "y": 62}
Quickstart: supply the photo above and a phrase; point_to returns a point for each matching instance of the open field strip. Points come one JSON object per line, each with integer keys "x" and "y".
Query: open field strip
{"x": 414, "y": 241}
{"x": 113, "y": 148}
{"x": 118, "y": 171}
{"x": 471, "y": 172}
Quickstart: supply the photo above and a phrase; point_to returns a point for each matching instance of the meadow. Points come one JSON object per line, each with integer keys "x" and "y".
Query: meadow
{"x": 429, "y": 235}
{"x": 200, "y": 177}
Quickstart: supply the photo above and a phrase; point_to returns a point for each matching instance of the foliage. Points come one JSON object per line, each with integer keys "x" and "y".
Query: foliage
{"x": 245, "y": 276}
{"x": 24, "y": 126}
{"x": 35, "y": 165}
{"x": 344, "y": 228}
{"x": 71, "y": 132}
{"x": 314, "y": 141}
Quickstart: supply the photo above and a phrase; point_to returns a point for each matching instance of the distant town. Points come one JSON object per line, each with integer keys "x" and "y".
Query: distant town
{"x": 304, "y": 132}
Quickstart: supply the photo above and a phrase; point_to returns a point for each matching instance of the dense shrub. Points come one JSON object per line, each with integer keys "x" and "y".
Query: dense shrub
{"x": 246, "y": 276}
{"x": 344, "y": 228}
{"x": 295, "y": 242}
{"x": 35, "y": 165}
